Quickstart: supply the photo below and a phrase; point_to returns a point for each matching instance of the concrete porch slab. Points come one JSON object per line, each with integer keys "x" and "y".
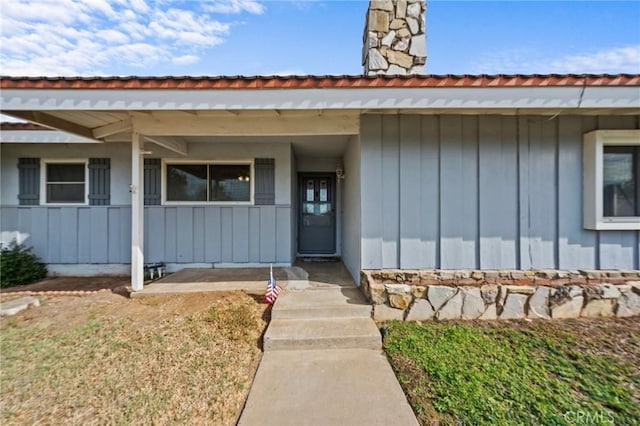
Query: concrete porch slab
{"x": 302, "y": 276}
{"x": 326, "y": 387}
{"x": 195, "y": 280}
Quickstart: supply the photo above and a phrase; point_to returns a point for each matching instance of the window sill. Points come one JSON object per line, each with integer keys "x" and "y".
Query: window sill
{"x": 65, "y": 204}
{"x": 208, "y": 203}
{"x": 616, "y": 224}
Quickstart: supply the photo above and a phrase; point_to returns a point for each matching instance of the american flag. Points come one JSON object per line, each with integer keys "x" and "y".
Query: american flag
{"x": 273, "y": 289}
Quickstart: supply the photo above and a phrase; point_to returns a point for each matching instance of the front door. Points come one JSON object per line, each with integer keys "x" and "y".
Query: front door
{"x": 317, "y": 218}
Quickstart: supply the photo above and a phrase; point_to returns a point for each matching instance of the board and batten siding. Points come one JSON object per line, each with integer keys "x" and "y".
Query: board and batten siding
{"x": 184, "y": 234}
{"x": 487, "y": 192}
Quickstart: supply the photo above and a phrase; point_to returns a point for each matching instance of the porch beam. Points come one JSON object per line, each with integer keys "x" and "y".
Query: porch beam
{"x": 137, "y": 212}
{"x": 176, "y": 145}
{"x": 49, "y": 120}
{"x": 345, "y": 124}
{"x": 119, "y": 137}
{"x": 112, "y": 129}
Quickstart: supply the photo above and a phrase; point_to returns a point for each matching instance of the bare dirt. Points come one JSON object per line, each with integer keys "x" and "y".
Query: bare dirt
{"x": 118, "y": 283}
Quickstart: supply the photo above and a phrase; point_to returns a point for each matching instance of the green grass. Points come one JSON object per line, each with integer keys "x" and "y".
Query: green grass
{"x": 475, "y": 375}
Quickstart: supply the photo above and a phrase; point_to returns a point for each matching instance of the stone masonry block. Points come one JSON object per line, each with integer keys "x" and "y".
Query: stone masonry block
{"x": 387, "y": 313}
{"x": 473, "y": 304}
{"x": 439, "y": 294}
{"x": 452, "y": 309}
{"x": 514, "y": 306}
{"x": 420, "y": 311}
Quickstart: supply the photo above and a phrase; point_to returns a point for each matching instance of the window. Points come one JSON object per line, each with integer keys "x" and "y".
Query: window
{"x": 213, "y": 182}
{"x": 64, "y": 182}
{"x": 620, "y": 181}
{"x": 611, "y": 179}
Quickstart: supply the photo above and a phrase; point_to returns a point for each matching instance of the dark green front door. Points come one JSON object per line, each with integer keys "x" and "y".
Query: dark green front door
{"x": 317, "y": 218}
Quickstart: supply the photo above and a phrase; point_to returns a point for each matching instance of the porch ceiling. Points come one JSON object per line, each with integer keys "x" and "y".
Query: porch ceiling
{"x": 173, "y": 129}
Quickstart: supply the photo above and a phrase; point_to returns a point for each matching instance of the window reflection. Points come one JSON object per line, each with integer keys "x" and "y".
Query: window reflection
{"x": 619, "y": 184}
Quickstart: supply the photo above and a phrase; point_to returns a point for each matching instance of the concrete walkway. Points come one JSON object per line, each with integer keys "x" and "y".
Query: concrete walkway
{"x": 322, "y": 361}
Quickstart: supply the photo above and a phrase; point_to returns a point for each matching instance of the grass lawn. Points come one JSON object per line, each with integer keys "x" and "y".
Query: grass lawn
{"x": 512, "y": 373}
{"x": 107, "y": 359}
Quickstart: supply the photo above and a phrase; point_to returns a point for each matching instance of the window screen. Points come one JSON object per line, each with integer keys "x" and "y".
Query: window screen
{"x": 65, "y": 183}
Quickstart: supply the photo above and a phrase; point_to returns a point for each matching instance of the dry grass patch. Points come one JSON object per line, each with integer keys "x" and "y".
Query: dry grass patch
{"x": 106, "y": 359}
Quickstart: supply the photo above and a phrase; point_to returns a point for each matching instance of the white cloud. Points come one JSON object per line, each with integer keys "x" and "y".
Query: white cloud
{"x": 139, "y": 6}
{"x": 91, "y": 37}
{"x": 614, "y": 60}
{"x": 234, "y": 6}
{"x": 286, "y": 72}
{"x": 185, "y": 60}
{"x": 112, "y": 36}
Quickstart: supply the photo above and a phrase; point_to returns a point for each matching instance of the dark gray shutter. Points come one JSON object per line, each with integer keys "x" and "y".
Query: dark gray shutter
{"x": 265, "y": 181}
{"x": 99, "y": 181}
{"x": 29, "y": 181}
{"x": 152, "y": 181}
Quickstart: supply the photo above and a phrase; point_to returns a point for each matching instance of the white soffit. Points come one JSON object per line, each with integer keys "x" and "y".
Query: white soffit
{"x": 325, "y": 99}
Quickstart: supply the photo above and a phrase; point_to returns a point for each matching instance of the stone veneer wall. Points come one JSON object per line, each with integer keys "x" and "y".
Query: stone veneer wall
{"x": 465, "y": 294}
{"x": 394, "y": 38}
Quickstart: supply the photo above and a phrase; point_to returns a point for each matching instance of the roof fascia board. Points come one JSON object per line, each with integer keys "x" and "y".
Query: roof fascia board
{"x": 302, "y": 99}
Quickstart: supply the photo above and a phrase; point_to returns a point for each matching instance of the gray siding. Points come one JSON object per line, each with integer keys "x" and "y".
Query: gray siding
{"x": 351, "y": 209}
{"x": 482, "y": 192}
{"x": 184, "y": 234}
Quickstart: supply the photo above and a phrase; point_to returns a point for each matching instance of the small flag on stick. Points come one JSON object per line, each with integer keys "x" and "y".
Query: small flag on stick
{"x": 273, "y": 289}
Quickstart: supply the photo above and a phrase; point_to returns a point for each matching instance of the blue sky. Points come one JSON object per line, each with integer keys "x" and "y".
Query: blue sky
{"x": 249, "y": 37}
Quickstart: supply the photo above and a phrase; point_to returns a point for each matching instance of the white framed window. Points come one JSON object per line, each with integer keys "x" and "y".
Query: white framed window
{"x": 64, "y": 181}
{"x": 207, "y": 182}
{"x": 611, "y": 180}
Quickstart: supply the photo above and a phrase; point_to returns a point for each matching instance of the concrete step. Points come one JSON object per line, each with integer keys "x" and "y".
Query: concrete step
{"x": 331, "y": 333}
{"x": 327, "y": 311}
{"x": 321, "y": 303}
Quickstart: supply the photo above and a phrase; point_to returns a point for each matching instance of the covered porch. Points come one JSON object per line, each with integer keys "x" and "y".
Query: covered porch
{"x": 137, "y": 134}
{"x": 304, "y": 274}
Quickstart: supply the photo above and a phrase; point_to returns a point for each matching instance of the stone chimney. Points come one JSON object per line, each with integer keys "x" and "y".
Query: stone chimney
{"x": 394, "y": 38}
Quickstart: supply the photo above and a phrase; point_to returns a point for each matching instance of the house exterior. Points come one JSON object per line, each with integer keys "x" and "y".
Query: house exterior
{"x": 385, "y": 171}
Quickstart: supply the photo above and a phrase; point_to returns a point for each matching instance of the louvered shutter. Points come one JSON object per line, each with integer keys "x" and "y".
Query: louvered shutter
{"x": 28, "y": 181}
{"x": 99, "y": 181}
{"x": 265, "y": 181}
{"x": 152, "y": 190}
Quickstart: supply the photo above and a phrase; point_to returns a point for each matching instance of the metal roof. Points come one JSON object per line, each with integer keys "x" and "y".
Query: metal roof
{"x": 315, "y": 82}
{"x": 8, "y": 125}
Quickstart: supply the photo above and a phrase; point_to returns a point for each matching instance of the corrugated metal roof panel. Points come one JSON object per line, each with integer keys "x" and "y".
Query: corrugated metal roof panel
{"x": 21, "y": 126}
{"x": 315, "y": 82}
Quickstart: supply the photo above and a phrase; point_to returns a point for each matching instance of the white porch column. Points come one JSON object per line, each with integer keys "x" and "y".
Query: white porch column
{"x": 137, "y": 213}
